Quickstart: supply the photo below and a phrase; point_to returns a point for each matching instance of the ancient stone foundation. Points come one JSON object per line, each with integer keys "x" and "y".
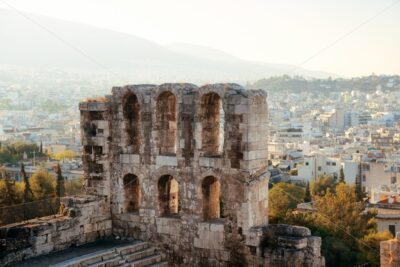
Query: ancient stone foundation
{"x": 390, "y": 252}
{"x": 185, "y": 168}
{"x": 283, "y": 245}
{"x": 85, "y": 219}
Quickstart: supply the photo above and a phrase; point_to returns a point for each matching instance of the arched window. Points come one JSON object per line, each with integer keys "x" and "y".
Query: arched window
{"x": 168, "y": 195}
{"x": 131, "y": 111}
{"x": 131, "y": 193}
{"x": 212, "y": 138}
{"x": 166, "y": 123}
{"x": 211, "y": 193}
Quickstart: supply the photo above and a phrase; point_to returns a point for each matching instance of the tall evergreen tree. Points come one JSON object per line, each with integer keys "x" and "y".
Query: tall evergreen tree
{"x": 359, "y": 192}
{"x": 307, "y": 196}
{"x": 341, "y": 176}
{"x": 60, "y": 187}
{"x": 41, "y": 147}
{"x": 28, "y": 195}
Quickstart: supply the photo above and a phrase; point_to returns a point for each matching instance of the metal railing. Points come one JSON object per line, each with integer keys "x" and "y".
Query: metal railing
{"x": 23, "y": 212}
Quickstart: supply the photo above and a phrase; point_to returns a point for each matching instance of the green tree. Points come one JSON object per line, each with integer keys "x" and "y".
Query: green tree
{"x": 341, "y": 176}
{"x": 28, "y": 195}
{"x": 60, "y": 186}
{"x": 370, "y": 246}
{"x": 340, "y": 212}
{"x": 349, "y": 237}
{"x": 42, "y": 184}
{"x": 74, "y": 186}
{"x": 284, "y": 197}
{"x": 322, "y": 185}
{"x": 359, "y": 192}
{"x": 8, "y": 191}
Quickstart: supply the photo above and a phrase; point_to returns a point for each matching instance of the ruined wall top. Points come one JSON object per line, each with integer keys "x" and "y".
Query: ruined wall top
{"x": 223, "y": 89}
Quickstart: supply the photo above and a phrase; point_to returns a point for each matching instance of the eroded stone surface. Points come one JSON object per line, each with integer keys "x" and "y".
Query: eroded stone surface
{"x": 91, "y": 221}
{"x": 390, "y": 252}
{"x": 185, "y": 168}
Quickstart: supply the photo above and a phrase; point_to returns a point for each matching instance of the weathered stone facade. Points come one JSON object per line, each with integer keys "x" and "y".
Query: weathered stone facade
{"x": 390, "y": 252}
{"x": 184, "y": 168}
{"x": 195, "y": 158}
{"x": 85, "y": 219}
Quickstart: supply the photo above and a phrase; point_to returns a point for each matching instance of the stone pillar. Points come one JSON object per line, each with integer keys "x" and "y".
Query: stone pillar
{"x": 390, "y": 252}
{"x": 95, "y": 134}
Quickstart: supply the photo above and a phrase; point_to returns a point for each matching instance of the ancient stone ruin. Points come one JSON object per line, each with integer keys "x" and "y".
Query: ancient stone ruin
{"x": 183, "y": 168}
{"x": 390, "y": 252}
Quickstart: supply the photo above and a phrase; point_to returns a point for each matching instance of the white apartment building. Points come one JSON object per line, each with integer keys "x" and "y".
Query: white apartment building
{"x": 374, "y": 174}
{"x": 317, "y": 165}
{"x": 334, "y": 119}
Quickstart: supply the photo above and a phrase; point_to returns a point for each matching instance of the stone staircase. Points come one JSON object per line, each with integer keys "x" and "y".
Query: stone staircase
{"x": 139, "y": 254}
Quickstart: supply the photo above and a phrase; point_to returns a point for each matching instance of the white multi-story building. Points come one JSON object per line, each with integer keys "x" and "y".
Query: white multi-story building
{"x": 334, "y": 119}
{"x": 317, "y": 165}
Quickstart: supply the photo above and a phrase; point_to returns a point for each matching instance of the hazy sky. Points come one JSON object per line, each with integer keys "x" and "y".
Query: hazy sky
{"x": 285, "y": 31}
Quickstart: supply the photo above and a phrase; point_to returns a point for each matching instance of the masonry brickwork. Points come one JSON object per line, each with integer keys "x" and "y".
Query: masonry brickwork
{"x": 84, "y": 219}
{"x": 185, "y": 168}
{"x": 390, "y": 252}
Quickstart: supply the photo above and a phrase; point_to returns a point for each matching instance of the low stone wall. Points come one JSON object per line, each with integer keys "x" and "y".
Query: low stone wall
{"x": 283, "y": 245}
{"x": 84, "y": 219}
{"x": 390, "y": 252}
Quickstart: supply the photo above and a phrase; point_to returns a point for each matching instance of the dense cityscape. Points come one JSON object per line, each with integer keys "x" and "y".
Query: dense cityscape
{"x": 210, "y": 133}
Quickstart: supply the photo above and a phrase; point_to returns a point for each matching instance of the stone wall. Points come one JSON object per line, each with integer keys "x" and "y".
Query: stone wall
{"x": 390, "y": 252}
{"x": 283, "y": 245}
{"x": 211, "y": 141}
{"x": 84, "y": 219}
{"x": 180, "y": 166}
{"x": 197, "y": 161}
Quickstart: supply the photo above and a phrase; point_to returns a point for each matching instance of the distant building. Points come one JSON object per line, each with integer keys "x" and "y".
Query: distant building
{"x": 317, "y": 165}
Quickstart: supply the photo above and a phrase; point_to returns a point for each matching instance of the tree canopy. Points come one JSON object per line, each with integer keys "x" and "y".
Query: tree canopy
{"x": 349, "y": 235}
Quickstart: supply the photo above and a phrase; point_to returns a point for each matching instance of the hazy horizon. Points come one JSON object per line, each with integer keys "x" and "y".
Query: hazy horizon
{"x": 263, "y": 31}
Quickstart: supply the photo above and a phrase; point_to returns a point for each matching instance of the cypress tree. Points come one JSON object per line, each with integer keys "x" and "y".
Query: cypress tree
{"x": 307, "y": 196}
{"x": 28, "y": 195}
{"x": 41, "y": 147}
{"x": 60, "y": 189}
{"x": 341, "y": 176}
{"x": 359, "y": 192}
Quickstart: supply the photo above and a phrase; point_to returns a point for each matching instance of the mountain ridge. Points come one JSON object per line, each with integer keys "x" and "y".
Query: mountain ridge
{"x": 74, "y": 45}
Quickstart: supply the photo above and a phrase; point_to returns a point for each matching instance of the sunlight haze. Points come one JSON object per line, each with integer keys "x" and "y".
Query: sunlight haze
{"x": 284, "y": 32}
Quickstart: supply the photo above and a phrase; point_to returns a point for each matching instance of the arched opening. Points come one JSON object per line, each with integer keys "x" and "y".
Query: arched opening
{"x": 131, "y": 111}
{"x": 168, "y": 195}
{"x": 211, "y": 189}
{"x": 132, "y": 193}
{"x": 166, "y": 122}
{"x": 212, "y": 138}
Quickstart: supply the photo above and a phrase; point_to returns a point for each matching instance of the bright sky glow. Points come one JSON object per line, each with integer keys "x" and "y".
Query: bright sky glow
{"x": 287, "y": 31}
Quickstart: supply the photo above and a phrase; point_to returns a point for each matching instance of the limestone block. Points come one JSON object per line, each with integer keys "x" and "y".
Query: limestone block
{"x": 182, "y": 143}
{"x": 210, "y": 162}
{"x": 216, "y": 227}
{"x": 166, "y": 161}
{"x": 102, "y": 124}
{"x": 44, "y": 249}
{"x": 241, "y": 109}
{"x": 134, "y": 159}
{"x": 292, "y": 242}
{"x": 314, "y": 245}
{"x": 203, "y": 226}
{"x": 40, "y": 240}
{"x": 124, "y": 158}
{"x": 249, "y": 155}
